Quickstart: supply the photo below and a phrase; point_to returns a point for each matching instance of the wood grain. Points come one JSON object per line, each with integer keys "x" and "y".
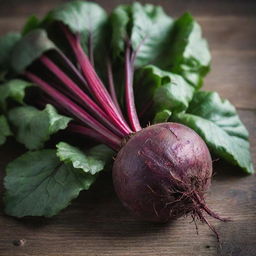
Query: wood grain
{"x": 233, "y": 77}
{"x": 96, "y": 223}
{"x": 175, "y": 7}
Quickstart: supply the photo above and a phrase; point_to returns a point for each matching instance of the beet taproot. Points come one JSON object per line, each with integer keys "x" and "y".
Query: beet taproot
{"x": 163, "y": 173}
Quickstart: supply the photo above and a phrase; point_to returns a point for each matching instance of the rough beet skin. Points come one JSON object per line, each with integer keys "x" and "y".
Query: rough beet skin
{"x": 163, "y": 172}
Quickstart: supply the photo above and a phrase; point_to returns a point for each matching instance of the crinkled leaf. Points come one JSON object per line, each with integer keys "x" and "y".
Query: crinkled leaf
{"x": 7, "y": 42}
{"x": 56, "y": 121}
{"x": 79, "y": 159}
{"x": 13, "y": 89}
{"x": 39, "y": 184}
{"x": 102, "y": 152}
{"x": 32, "y": 23}
{"x": 146, "y": 27}
{"x": 162, "y": 116}
{"x": 85, "y": 18}
{"x": 34, "y": 127}
{"x": 29, "y": 48}
{"x": 4, "y": 129}
{"x": 173, "y": 92}
{"x": 167, "y": 90}
{"x": 188, "y": 55}
{"x": 218, "y": 123}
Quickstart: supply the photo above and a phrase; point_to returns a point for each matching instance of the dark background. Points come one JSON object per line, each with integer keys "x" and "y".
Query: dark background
{"x": 96, "y": 223}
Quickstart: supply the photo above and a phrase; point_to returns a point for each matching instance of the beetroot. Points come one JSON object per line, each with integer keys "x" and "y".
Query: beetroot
{"x": 163, "y": 172}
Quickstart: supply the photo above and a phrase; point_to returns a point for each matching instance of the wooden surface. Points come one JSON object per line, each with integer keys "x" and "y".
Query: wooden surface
{"x": 96, "y": 223}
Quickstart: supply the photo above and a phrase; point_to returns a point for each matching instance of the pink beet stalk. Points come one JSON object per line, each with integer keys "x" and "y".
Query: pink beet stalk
{"x": 129, "y": 95}
{"x": 112, "y": 86}
{"x": 73, "y": 68}
{"x": 74, "y": 109}
{"x": 97, "y": 88}
{"x": 84, "y": 98}
{"x": 88, "y": 132}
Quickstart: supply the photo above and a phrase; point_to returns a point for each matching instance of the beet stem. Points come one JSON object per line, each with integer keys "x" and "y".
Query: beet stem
{"x": 74, "y": 109}
{"x": 129, "y": 94}
{"x": 85, "y": 99}
{"x": 97, "y": 88}
{"x": 90, "y": 48}
{"x": 73, "y": 68}
{"x": 92, "y": 134}
{"x": 112, "y": 86}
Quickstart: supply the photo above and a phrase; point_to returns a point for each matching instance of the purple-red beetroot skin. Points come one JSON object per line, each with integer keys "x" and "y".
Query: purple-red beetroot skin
{"x": 163, "y": 172}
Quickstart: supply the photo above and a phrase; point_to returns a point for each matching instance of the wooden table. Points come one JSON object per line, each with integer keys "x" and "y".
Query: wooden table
{"x": 96, "y": 223}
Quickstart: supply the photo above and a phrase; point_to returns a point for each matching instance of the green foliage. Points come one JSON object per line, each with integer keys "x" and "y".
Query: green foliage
{"x": 88, "y": 162}
{"x": 39, "y": 184}
{"x": 7, "y": 43}
{"x": 29, "y": 48}
{"x": 13, "y": 89}
{"x": 217, "y": 122}
{"x": 85, "y": 18}
{"x": 147, "y": 28}
{"x": 189, "y": 55}
{"x": 4, "y": 129}
{"x": 34, "y": 127}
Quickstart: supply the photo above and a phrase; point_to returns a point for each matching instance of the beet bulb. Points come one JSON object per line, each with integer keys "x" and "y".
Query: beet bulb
{"x": 163, "y": 173}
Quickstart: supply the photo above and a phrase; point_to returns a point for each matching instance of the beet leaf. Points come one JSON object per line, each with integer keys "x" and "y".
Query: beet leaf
{"x": 39, "y": 184}
{"x": 29, "y": 48}
{"x": 13, "y": 89}
{"x": 34, "y": 127}
{"x": 188, "y": 54}
{"x": 7, "y": 42}
{"x": 80, "y": 160}
{"x": 5, "y": 130}
{"x": 166, "y": 90}
{"x": 217, "y": 122}
{"x": 86, "y": 19}
{"x": 145, "y": 29}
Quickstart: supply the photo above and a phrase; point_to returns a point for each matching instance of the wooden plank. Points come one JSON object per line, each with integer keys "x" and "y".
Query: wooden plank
{"x": 97, "y": 224}
{"x": 174, "y": 7}
{"x": 227, "y": 33}
{"x": 11, "y": 24}
{"x": 233, "y": 76}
